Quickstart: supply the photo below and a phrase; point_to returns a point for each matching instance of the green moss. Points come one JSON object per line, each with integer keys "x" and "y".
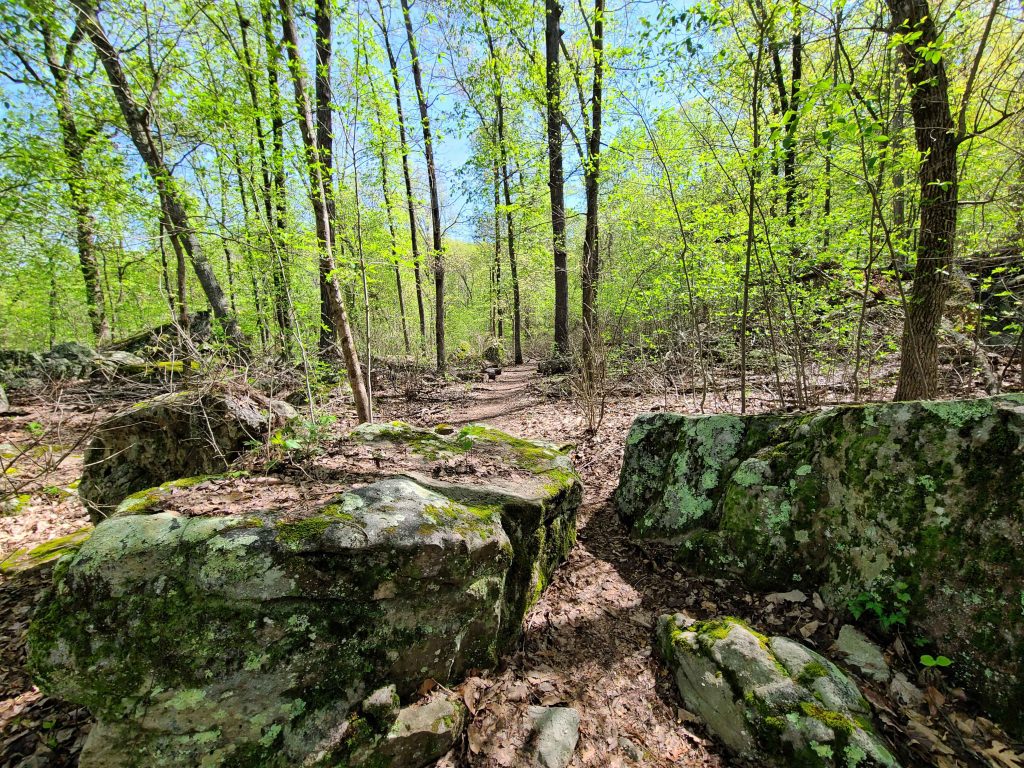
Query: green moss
{"x": 293, "y": 533}
{"x": 719, "y": 628}
{"x": 26, "y": 558}
{"x": 959, "y": 413}
{"x": 811, "y": 672}
{"x": 837, "y": 721}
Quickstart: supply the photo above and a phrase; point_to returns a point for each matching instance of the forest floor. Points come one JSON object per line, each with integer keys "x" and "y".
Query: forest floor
{"x": 587, "y": 643}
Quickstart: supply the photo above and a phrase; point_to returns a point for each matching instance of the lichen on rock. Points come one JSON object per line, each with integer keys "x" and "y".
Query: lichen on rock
{"x": 915, "y": 505}
{"x": 770, "y": 699}
{"x": 171, "y": 436}
{"x": 254, "y": 638}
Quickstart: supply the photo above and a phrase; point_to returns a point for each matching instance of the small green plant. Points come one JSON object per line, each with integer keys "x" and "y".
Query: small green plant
{"x": 935, "y": 661}
{"x": 890, "y": 607}
{"x": 303, "y": 437}
{"x": 35, "y": 428}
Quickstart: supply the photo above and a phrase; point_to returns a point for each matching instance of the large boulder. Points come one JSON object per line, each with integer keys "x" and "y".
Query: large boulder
{"x": 769, "y": 699}
{"x": 911, "y": 507}
{"x": 260, "y": 638}
{"x": 171, "y": 436}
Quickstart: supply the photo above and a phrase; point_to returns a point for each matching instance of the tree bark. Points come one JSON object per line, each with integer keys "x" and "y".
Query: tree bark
{"x": 435, "y": 202}
{"x": 937, "y": 143}
{"x": 591, "y": 181}
{"x": 74, "y": 144}
{"x": 137, "y": 121}
{"x": 324, "y": 95}
{"x": 409, "y": 200}
{"x": 510, "y": 239}
{"x": 556, "y": 184}
{"x": 318, "y": 200}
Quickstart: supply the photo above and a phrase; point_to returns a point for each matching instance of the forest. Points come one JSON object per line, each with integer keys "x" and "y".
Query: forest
{"x": 406, "y": 383}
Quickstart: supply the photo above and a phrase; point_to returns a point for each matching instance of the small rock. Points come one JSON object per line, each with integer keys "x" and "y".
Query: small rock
{"x": 861, "y": 654}
{"x": 381, "y": 706}
{"x": 905, "y": 692}
{"x": 770, "y": 700}
{"x": 422, "y": 734}
{"x": 554, "y": 732}
{"x": 630, "y": 750}
{"x": 5, "y": 404}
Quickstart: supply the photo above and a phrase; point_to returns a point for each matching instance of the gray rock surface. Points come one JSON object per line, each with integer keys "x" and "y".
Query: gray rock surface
{"x": 422, "y": 733}
{"x": 5, "y": 404}
{"x": 912, "y": 508}
{"x": 177, "y": 435}
{"x": 554, "y": 732}
{"x": 114, "y": 361}
{"x": 862, "y": 654}
{"x": 285, "y": 637}
{"x": 770, "y": 700}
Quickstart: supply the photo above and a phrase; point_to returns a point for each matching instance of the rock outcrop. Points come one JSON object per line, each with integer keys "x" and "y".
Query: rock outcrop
{"x": 265, "y": 637}
{"x": 914, "y": 507}
{"x": 181, "y": 434}
{"x": 770, "y": 699}
{"x": 21, "y": 369}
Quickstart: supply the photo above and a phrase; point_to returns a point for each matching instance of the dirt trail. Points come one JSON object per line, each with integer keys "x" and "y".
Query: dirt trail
{"x": 588, "y": 642}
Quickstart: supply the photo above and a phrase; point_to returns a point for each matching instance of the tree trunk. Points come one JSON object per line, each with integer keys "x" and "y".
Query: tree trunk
{"x": 435, "y": 202}
{"x": 409, "y": 200}
{"x": 74, "y": 149}
{"x": 591, "y": 180}
{"x": 499, "y": 315}
{"x": 282, "y": 310}
{"x": 789, "y": 143}
{"x": 318, "y": 200}
{"x": 556, "y": 185}
{"x": 279, "y": 270}
{"x": 937, "y": 143}
{"x": 510, "y": 239}
{"x": 137, "y": 120}
{"x": 394, "y": 245}
{"x": 325, "y": 142}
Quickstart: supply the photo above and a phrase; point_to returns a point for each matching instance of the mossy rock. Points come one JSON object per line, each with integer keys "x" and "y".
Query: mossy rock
{"x": 26, "y": 558}
{"x": 770, "y": 700}
{"x": 250, "y": 639}
{"x": 246, "y": 641}
{"x": 181, "y": 434}
{"x": 915, "y": 505}
{"x": 674, "y": 469}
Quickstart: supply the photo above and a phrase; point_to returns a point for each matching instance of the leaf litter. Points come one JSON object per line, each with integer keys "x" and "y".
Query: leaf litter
{"x": 587, "y": 643}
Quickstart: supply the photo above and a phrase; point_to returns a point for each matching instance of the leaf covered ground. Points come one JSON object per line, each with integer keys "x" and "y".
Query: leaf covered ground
{"x": 586, "y": 644}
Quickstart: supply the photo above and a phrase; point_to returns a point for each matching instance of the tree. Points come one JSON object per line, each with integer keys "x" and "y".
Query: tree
{"x": 410, "y": 203}
{"x": 74, "y": 142}
{"x": 148, "y": 146}
{"x": 937, "y": 141}
{"x": 435, "y": 201}
{"x": 494, "y": 62}
{"x": 321, "y": 213}
{"x": 556, "y": 183}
